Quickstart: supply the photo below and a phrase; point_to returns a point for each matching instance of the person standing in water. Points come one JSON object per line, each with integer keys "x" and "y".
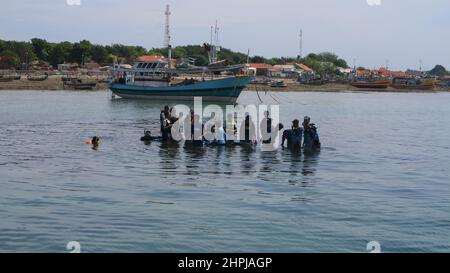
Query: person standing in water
{"x": 266, "y": 128}
{"x": 248, "y": 131}
{"x": 293, "y": 136}
{"x": 231, "y": 129}
{"x": 311, "y": 136}
{"x": 219, "y": 133}
{"x": 166, "y": 126}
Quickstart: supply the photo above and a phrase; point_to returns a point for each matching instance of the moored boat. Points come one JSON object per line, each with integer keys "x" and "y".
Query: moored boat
{"x": 155, "y": 77}
{"x": 413, "y": 84}
{"x": 371, "y": 84}
{"x": 37, "y": 78}
{"x": 224, "y": 89}
{"x": 6, "y": 78}
{"x": 278, "y": 84}
{"x": 79, "y": 84}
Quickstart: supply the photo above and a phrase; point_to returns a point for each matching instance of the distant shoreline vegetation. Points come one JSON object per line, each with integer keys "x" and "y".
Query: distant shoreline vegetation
{"x": 17, "y": 54}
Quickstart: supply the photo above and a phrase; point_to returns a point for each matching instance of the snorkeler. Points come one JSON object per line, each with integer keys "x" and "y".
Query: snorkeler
{"x": 95, "y": 142}
{"x": 148, "y": 136}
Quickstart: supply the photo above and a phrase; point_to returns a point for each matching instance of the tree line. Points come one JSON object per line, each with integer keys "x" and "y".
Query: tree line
{"x": 15, "y": 53}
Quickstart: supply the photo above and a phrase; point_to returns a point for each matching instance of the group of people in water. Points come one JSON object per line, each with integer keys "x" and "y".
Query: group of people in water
{"x": 298, "y": 137}
{"x": 304, "y": 137}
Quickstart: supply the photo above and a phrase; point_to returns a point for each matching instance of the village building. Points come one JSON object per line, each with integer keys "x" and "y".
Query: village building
{"x": 384, "y": 72}
{"x": 262, "y": 69}
{"x": 92, "y": 66}
{"x": 290, "y": 70}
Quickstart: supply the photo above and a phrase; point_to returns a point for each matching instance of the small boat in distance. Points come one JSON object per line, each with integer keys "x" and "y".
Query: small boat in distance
{"x": 6, "y": 78}
{"x": 413, "y": 84}
{"x": 278, "y": 84}
{"x": 79, "y": 84}
{"x": 37, "y": 78}
{"x": 371, "y": 83}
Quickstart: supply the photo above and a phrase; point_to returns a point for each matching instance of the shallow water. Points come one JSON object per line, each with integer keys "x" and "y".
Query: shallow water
{"x": 382, "y": 176}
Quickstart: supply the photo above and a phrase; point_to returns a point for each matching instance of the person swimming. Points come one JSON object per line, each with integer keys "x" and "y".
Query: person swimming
{"x": 94, "y": 141}
{"x": 148, "y": 136}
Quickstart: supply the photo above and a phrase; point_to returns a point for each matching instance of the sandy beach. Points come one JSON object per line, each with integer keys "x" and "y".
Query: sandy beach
{"x": 52, "y": 83}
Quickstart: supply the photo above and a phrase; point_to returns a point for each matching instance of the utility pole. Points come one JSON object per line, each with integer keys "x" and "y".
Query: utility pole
{"x": 216, "y": 42}
{"x": 212, "y": 35}
{"x": 248, "y": 56}
{"x": 301, "y": 45}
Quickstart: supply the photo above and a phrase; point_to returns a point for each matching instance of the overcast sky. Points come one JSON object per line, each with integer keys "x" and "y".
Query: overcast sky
{"x": 401, "y": 31}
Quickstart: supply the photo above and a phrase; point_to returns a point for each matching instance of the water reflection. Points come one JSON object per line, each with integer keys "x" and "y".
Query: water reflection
{"x": 169, "y": 154}
{"x": 248, "y": 162}
{"x": 310, "y": 162}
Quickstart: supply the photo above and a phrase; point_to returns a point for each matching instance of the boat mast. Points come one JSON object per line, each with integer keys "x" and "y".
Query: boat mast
{"x": 167, "y": 38}
{"x": 301, "y": 45}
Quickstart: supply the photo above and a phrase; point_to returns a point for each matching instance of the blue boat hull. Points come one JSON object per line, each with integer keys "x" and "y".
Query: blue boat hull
{"x": 227, "y": 90}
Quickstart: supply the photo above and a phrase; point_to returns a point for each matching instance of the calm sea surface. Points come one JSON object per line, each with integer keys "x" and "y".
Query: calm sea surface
{"x": 383, "y": 175}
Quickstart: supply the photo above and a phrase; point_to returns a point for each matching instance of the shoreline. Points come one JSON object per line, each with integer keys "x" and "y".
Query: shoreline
{"x": 54, "y": 83}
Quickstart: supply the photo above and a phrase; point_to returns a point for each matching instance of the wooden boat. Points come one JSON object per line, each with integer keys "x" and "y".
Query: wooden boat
{"x": 225, "y": 89}
{"x": 278, "y": 84}
{"x": 371, "y": 84}
{"x": 314, "y": 81}
{"x": 413, "y": 84}
{"x": 152, "y": 77}
{"x": 37, "y": 78}
{"x": 78, "y": 84}
{"x": 6, "y": 79}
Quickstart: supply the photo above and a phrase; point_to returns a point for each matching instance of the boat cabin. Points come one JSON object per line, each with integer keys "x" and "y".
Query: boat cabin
{"x": 150, "y": 67}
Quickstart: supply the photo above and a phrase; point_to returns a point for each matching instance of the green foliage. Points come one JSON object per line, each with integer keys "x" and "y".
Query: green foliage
{"x": 324, "y": 63}
{"x": 41, "y": 48}
{"x": 439, "y": 71}
{"x": 84, "y": 51}
{"x": 60, "y": 53}
{"x": 9, "y": 59}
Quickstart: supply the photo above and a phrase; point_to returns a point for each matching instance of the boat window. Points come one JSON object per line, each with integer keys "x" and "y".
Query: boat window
{"x": 139, "y": 65}
{"x": 154, "y": 65}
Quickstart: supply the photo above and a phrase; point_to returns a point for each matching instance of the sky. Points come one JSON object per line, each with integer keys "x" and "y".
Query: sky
{"x": 370, "y": 33}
